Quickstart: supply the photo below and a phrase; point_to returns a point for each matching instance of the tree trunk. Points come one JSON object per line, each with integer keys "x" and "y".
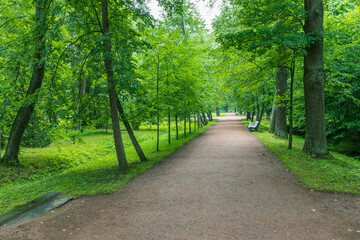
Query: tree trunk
{"x": 252, "y": 116}
{"x": 194, "y": 122}
{"x": 184, "y": 126}
{"x": 205, "y": 122}
{"x": 199, "y": 121}
{"x": 273, "y": 116}
{"x": 210, "y": 116}
{"x": 177, "y": 126}
{"x": 292, "y": 69}
{"x": 158, "y": 133}
{"x": 314, "y": 81}
{"x": 107, "y": 55}
{"x": 23, "y": 116}
{"x": 0, "y": 143}
{"x": 257, "y": 108}
{"x": 248, "y": 115}
{"x": 169, "y": 127}
{"x": 190, "y": 123}
{"x": 280, "y": 116}
{"x": 217, "y": 112}
{"x": 157, "y": 103}
{"x": 130, "y": 132}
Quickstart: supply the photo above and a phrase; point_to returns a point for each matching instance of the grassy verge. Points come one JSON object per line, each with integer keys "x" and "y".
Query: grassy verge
{"x": 84, "y": 166}
{"x": 340, "y": 174}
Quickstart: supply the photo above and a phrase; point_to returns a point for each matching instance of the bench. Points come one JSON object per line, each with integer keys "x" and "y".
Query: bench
{"x": 253, "y": 126}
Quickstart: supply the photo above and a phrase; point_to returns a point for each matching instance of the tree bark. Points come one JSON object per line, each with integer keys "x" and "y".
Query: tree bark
{"x": 157, "y": 103}
{"x": 23, "y": 116}
{"x": 205, "y": 122}
{"x": 217, "y": 112}
{"x": 280, "y": 116}
{"x": 210, "y": 116}
{"x": 273, "y": 116}
{"x": 130, "y": 131}
{"x": 0, "y": 143}
{"x": 257, "y": 108}
{"x": 199, "y": 121}
{"x": 176, "y": 126}
{"x": 248, "y": 115}
{"x": 194, "y": 122}
{"x": 292, "y": 70}
{"x": 184, "y": 126}
{"x": 107, "y": 55}
{"x": 169, "y": 126}
{"x": 190, "y": 123}
{"x": 314, "y": 82}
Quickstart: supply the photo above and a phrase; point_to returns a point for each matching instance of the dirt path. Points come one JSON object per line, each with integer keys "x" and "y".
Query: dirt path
{"x": 222, "y": 185}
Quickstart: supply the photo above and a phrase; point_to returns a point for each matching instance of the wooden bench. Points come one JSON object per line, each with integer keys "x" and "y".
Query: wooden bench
{"x": 253, "y": 126}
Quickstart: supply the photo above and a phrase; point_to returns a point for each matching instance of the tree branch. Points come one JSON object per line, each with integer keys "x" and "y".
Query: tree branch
{"x": 71, "y": 44}
{"x": 11, "y": 20}
{"x": 97, "y": 16}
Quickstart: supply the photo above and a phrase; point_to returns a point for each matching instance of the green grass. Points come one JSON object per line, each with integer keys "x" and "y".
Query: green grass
{"x": 86, "y": 165}
{"x": 339, "y": 174}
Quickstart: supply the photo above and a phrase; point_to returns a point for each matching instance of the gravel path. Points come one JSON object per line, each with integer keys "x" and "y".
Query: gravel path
{"x": 223, "y": 184}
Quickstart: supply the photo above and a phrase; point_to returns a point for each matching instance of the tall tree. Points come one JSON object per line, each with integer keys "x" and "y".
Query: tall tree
{"x": 23, "y": 116}
{"x": 108, "y": 61}
{"x": 280, "y": 108}
{"x": 314, "y": 81}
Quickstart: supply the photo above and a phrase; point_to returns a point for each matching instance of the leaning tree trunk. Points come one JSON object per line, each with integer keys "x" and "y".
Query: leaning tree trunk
{"x": 314, "y": 81}
{"x": 23, "y": 116}
{"x": 107, "y": 55}
{"x": 130, "y": 131}
{"x": 280, "y": 116}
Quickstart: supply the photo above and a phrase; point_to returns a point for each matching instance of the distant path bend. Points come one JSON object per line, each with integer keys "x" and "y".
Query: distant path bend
{"x": 223, "y": 184}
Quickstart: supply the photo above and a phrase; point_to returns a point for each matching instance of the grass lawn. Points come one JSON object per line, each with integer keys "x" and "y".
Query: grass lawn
{"x": 85, "y": 165}
{"x": 339, "y": 174}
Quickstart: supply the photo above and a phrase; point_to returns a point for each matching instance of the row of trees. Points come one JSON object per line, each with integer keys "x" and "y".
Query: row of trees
{"x": 277, "y": 48}
{"x": 83, "y": 64}
{"x": 75, "y": 64}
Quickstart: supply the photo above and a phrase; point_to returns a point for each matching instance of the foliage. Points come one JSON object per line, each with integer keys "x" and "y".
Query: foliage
{"x": 343, "y": 74}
